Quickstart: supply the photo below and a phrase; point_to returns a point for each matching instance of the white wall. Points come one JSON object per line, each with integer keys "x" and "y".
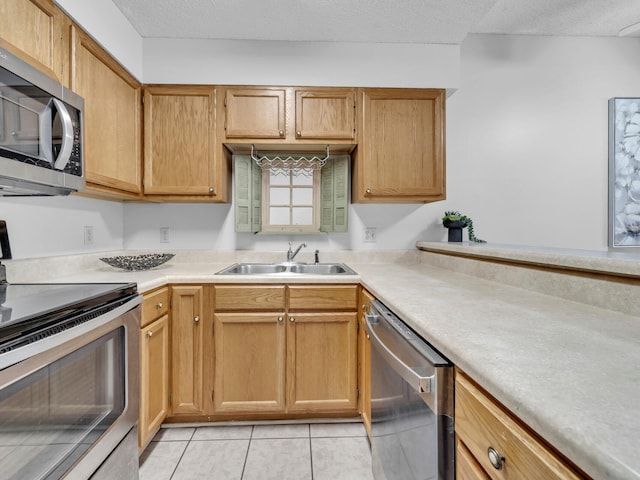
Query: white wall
{"x": 110, "y": 28}
{"x": 46, "y": 226}
{"x": 251, "y": 62}
{"x": 527, "y": 136}
{"x": 526, "y": 159}
{"x": 526, "y": 155}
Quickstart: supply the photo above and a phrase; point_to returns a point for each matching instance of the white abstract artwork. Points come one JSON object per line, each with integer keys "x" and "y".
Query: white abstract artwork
{"x": 624, "y": 172}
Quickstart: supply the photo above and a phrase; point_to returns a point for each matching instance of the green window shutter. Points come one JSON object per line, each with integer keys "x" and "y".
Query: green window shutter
{"x": 340, "y": 193}
{"x": 334, "y": 186}
{"x": 326, "y": 197}
{"x": 248, "y": 192}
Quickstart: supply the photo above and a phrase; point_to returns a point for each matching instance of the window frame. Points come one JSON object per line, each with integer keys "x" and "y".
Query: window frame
{"x": 268, "y": 227}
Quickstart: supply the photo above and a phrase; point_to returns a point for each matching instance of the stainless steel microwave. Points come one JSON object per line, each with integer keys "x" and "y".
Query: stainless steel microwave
{"x": 40, "y": 132}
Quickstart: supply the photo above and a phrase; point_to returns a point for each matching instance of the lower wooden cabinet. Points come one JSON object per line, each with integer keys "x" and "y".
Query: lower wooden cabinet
{"x": 191, "y": 327}
{"x": 321, "y": 362}
{"x": 364, "y": 360}
{"x": 250, "y": 362}
{"x": 279, "y": 356}
{"x": 493, "y": 444}
{"x": 154, "y": 364}
{"x": 154, "y": 379}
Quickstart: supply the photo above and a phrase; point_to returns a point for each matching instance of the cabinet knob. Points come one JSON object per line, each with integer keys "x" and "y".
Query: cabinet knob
{"x": 368, "y": 191}
{"x": 196, "y": 319}
{"x": 364, "y": 307}
{"x": 495, "y": 458}
{"x": 292, "y": 319}
{"x": 298, "y": 133}
{"x": 212, "y": 190}
{"x": 149, "y": 334}
{"x": 160, "y": 305}
{"x": 281, "y": 133}
{"x": 280, "y": 318}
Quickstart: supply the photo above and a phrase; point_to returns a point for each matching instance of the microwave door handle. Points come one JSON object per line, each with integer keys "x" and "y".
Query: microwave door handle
{"x": 67, "y": 135}
{"x": 46, "y": 150}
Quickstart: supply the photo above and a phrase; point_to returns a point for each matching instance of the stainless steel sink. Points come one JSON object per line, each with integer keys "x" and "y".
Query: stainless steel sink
{"x": 287, "y": 269}
{"x": 322, "y": 269}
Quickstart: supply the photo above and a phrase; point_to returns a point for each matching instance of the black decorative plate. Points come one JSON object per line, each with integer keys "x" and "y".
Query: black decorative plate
{"x": 138, "y": 262}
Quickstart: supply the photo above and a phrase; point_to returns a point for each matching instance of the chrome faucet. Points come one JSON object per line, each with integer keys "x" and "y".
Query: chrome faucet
{"x": 291, "y": 255}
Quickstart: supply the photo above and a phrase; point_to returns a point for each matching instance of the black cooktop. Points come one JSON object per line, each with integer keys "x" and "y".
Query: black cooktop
{"x": 25, "y": 308}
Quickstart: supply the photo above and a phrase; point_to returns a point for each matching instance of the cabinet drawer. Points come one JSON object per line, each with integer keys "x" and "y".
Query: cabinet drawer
{"x": 482, "y": 424}
{"x": 467, "y": 468}
{"x": 154, "y": 305}
{"x": 312, "y": 297}
{"x": 250, "y": 297}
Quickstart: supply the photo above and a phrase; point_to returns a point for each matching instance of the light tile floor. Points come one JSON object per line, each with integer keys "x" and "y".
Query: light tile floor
{"x": 331, "y": 451}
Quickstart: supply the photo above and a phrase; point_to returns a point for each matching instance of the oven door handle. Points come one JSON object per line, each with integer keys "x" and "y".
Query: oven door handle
{"x": 418, "y": 383}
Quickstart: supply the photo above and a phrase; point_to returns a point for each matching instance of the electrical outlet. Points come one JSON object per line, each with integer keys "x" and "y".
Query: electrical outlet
{"x": 370, "y": 235}
{"x": 88, "y": 234}
{"x": 164, "y": 234}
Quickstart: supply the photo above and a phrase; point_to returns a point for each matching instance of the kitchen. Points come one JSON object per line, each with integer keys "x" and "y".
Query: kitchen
{"x": 523, "y": 110}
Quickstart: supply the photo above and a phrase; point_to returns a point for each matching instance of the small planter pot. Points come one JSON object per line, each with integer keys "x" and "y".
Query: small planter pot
{"x": 455, "y": 229}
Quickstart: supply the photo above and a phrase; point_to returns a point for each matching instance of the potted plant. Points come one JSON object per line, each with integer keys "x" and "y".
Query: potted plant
{"x": 455, "y": 222}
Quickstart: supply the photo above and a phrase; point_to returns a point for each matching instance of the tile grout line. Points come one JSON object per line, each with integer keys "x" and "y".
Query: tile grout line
{"x": 246, "y": 455}
{"x": 310, "y": 452}
{"x": 182, "y": 454}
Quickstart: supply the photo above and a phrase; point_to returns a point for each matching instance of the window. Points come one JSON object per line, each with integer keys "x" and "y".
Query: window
{"x": 310, "y": 202}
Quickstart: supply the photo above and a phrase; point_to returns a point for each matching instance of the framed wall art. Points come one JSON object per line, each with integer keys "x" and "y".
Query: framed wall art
{"x": 624, "y": 172}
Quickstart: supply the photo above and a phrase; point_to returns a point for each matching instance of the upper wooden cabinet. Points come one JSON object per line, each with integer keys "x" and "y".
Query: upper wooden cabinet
{"x": 34, "y": 30}
{"x": 255, "y": 113}
{"x": 112, "y": 119}
{"x": 182, "y": 160}
{"x": 401, "y": 149}
{"x": 326, "y": 114}
{"x": 289, "y": 116}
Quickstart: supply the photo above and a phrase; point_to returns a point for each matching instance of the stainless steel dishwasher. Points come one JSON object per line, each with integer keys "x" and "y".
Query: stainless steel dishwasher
{"x": 412, "y": 436}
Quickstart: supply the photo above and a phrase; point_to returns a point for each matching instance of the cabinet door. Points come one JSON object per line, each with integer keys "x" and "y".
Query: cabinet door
{"x": 249, "y": 362}
{"x": 255, "y": 113}
{"x": 321, "y": 362}
{"x": 154, "y": 379}
{"x": 34, "y": 27}
{"x": 325, "y": 114}
{"x": 187, "y": 345}
{"x": 400, "y": 155}
{"x": 112, "y": 118}
{"x": 364, "y": 360}
{"x": 179, "y": 135}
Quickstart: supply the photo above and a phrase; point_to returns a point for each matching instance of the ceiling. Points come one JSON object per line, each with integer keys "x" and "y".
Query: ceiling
{"x": 376, "y": 21}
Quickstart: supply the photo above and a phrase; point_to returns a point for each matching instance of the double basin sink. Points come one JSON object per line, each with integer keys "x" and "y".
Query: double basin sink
{"x": 287, "y": 269}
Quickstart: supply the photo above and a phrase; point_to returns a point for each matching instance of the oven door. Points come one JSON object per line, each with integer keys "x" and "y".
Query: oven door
{"x": 73, "y": 398}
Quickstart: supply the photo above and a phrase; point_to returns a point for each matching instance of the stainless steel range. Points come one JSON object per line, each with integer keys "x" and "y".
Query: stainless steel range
{"x": 69, "y": 358}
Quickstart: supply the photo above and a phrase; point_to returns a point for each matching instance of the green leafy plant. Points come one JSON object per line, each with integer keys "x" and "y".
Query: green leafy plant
{"x": 455, "y": 216}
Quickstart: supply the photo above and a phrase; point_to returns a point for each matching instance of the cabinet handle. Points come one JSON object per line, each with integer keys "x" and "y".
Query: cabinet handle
{"x": 364, "y": 307}
{"x": 368, "y": 191}
{"x": 281, "y": 133}
{"x": 160, "y": 305}
{"x": 196, "y": 319}
{"x": 212, "y": 190}
{"x": 149, "y": 334}
{"x": 495, "y": 458}
{"x": 292, "y": 319}
{"x": 280, "y": 318}
{"x": 299, "y": 133}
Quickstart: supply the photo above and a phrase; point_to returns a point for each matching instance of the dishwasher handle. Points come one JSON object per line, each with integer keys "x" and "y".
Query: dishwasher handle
{"x": 419, "y": 383}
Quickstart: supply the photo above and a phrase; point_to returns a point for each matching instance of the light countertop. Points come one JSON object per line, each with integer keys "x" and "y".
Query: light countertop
{"x": 568, "y": 370}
